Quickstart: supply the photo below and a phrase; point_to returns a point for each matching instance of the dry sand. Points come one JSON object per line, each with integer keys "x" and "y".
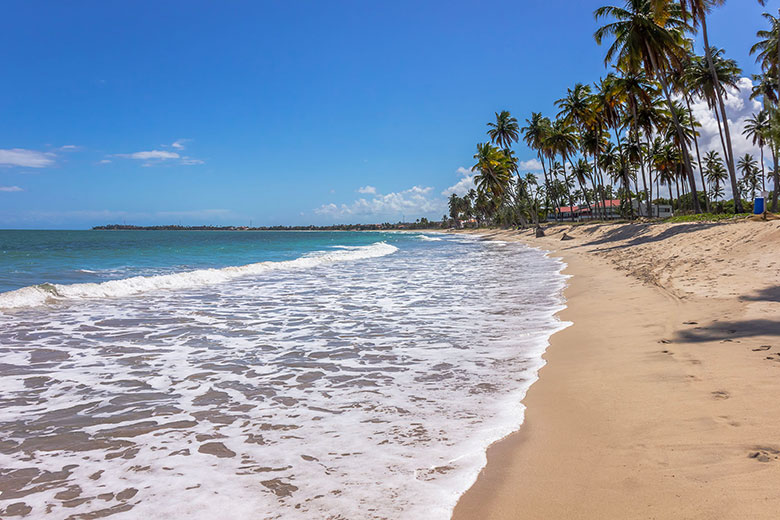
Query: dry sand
{"x": 662, "y": 401}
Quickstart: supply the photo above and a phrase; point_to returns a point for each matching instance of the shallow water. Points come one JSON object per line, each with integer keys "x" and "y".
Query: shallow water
{"x": 349, "y": 386}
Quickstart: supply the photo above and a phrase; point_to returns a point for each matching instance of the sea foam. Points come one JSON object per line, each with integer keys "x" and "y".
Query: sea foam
{"x": 51, "y": 293}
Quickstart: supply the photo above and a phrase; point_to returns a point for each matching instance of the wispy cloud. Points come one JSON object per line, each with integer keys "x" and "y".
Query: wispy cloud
{"x": 26, "y": 158}
{"x": 179, "y": 144}
{"x": 169, "y": 156}
{"x": 10, "y": 188}
{"x": 414, "y": 202}
{"x": 161, "y": 155}
{"x": 370, "y": 190}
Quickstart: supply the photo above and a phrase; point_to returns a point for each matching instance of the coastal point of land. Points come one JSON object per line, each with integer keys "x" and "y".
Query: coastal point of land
{"x": 661, "y": 400}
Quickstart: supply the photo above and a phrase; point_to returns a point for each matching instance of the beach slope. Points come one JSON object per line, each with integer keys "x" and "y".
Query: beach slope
{"x": 661, "y": 401}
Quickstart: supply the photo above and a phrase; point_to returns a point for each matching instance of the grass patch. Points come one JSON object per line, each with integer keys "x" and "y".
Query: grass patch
{"x": 706, "y": 217}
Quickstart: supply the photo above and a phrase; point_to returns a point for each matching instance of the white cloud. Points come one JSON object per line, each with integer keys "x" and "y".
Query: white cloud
{"x": 104, "y": 161}
{"x": 26, "y": 158}
{"x": 10, "y": 188}
{"x": 190, "y": 161}
{"x": 69, "y": 148}
{"x": 739, "y": 108}
{"x": 463, "y": 186}
{"x": 156, "y": 157}
{"x": 161, "y": 155}
{"x": 530, "y": 165}
{"x": 411, "y": 203}
{"x": 370, "y": 190}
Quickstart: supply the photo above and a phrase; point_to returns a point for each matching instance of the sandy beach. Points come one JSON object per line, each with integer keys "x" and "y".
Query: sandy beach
{"x": 661, "y": 400}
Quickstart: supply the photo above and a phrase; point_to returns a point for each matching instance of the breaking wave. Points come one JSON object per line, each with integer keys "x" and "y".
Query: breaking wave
{"x": 50, "y": 293}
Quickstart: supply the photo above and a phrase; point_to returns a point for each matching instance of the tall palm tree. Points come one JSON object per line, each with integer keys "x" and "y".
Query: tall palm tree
{"x": 535, "y": 136}
{"x": 643, "y": 40}
{"x": 698, "y": 10}
{"x": 593, "y": 142}
{"x": 638, "y": 91}
{"x": 505, "y": 131}
{"x": 757, "y": 129}
{"x": 562, "y": 140}
{"x": 699, "y": 78}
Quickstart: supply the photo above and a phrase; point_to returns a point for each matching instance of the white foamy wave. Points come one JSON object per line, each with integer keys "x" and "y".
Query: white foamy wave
{"x": 49, "y": 293}
{"x": 429, "y": 239}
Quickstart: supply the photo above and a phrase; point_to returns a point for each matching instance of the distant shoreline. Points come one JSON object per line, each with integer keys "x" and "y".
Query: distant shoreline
{"x": 417, "y": 226}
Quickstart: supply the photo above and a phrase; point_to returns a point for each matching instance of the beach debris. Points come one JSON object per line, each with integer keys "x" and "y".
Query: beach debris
{"x": 764, "y": 454}
{"x": 539, "y": 232}
{"x": 567, "y": 236}
{"x": 664, "y": 341}
{"x": 690, "y": 323}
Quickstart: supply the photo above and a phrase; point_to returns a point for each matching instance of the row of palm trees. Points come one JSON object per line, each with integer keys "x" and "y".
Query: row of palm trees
{"x": 635, "y": 128}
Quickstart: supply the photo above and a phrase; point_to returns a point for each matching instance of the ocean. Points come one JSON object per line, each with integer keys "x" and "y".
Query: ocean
{"x": 263, "y": 375}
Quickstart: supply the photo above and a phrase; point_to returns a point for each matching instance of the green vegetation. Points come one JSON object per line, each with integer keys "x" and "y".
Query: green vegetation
{"x": 706, "y": 217}
{"x": 615, "y": 146}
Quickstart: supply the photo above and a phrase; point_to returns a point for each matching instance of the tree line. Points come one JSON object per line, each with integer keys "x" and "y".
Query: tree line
{"x": 633, "y": 136}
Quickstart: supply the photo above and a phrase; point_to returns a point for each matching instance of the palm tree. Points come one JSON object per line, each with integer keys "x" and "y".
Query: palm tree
{"x": 581, "y": 171}
{"x": 767, "y": 48}
{"x": 699, "y": 78}
{"x": 593, "y": 142}
{"x": 698, "y": 10}
{"x": 562, "y": 140}
{"x": 535, "y": 136}
{"x": 757, "y": 129}
{"x": 505, "y": 130}
{"x": 643, "y": 40}
{"x": 715, "y": 172}
{"x": 748, "y": 167}
{"x": 666, "y": 162}
{"x": 494, "y": 172}
{"x": 636, "y": 89}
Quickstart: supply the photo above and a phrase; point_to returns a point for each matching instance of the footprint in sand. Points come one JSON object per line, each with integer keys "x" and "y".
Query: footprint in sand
{"x": 762, "y": 348}
{"x": 720, "y": 395}
{"x": 690, "y": 323}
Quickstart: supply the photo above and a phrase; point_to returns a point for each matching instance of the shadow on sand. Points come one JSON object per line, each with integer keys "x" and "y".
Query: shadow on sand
{"x": 729, "y": 330}
{"x": 636, "y": 234}
{"x": 767, "y": 294}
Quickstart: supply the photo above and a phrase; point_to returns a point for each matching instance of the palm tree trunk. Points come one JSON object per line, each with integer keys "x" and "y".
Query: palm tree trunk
{"x": 698, "y": 155}
{"x": 686, "y": 156}
{"x": 722, "y": 107}
{"x": 763, "y": 170}
{"x": 775, "y": 177}
{"x": 677, "y": 183}
{"x": 546, "y": 181}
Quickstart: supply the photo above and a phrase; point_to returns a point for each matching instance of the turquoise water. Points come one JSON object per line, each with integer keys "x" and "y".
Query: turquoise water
{"x": 275, "y": 375}
{"x": 67, "y": 257}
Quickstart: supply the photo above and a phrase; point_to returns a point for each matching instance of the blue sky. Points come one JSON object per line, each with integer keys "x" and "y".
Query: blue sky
{"x": 279, "y": 112}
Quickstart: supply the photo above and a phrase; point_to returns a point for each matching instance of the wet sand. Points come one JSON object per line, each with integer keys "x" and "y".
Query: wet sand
{"x": 662, "y": 400}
